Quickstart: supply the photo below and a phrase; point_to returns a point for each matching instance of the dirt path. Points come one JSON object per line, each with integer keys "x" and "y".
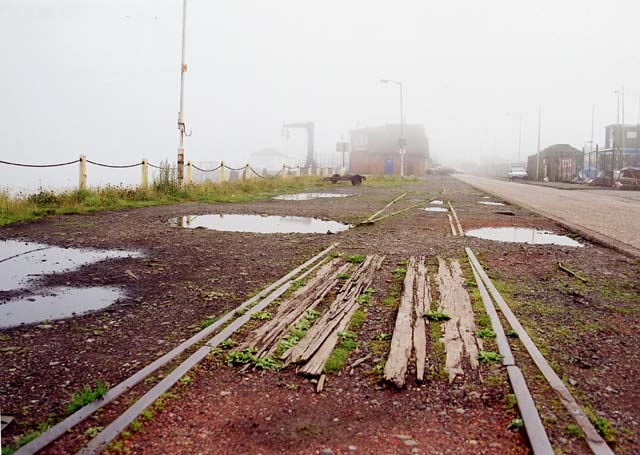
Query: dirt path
{"x": 187, "y": 276}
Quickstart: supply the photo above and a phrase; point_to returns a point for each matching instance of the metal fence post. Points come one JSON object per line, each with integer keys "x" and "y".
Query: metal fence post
{"x": 145, "y": 174}
{"x": 221, "y": 171}
{"x": 83, "y": 173}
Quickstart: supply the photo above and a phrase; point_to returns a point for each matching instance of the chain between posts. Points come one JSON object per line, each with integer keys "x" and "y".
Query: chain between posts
{"x": 114, "y": 166}
{"x": 254, "y": 171}
{"x": 39, "y": 165}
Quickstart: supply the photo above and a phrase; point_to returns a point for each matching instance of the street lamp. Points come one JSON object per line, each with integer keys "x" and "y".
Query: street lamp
{"x": 401, "y": 141}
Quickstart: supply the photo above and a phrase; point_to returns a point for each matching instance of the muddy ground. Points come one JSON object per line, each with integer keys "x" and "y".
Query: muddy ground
{"x": 589, "y": 331}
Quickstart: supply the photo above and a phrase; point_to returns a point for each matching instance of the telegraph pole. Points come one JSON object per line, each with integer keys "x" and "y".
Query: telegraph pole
{"x": 183, "y": 70}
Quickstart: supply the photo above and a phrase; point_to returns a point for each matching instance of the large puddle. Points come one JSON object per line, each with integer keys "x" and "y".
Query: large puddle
{"x": 261, "y": 224}
{"x": 435, "y": 209}
{"x": 21, "y": 262}
{"x": 308, "y": 196}
{"x": 436, "y": 202}
{"x": 57, "y": 303}
{"x": 523, "y": 235}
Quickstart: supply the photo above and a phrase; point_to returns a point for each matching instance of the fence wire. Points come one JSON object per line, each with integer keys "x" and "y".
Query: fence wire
{"x": 254, "y": 171}
{"x": 206, "y": 170}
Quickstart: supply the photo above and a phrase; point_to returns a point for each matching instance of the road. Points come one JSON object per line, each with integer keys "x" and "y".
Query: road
{"x": 609, "y": 216}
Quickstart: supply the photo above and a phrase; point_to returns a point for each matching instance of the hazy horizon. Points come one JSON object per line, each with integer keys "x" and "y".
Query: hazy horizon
{"x": 102, "y": 77}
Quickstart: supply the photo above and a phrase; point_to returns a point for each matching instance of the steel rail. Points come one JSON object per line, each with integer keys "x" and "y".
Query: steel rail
{"x": 595, "y": 442}
{"x": 82, "y": 414}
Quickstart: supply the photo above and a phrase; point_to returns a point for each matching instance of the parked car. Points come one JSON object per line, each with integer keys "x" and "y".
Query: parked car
{"x": 517, "y": 172}
{"x": 629, "y": 178}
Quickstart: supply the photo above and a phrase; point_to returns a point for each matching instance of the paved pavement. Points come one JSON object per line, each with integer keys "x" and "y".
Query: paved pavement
{"x": 609, "y": 216}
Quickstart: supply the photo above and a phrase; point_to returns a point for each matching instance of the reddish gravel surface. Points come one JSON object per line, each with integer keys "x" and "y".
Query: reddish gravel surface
{"x": 187, "y": 275}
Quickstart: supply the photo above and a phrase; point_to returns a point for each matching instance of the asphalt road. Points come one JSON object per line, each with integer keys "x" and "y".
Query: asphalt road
{"x": 611, "y": 216}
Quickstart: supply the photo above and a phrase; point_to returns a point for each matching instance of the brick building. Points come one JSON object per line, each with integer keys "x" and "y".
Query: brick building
{"x": 375, "y": 150}
{"x": 558, "y": 163}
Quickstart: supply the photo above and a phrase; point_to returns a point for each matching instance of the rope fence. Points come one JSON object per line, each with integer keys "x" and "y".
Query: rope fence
{"x": 248, "y": 171}
{"x": 39, "y": 165}
{"x": 114, "y": 166}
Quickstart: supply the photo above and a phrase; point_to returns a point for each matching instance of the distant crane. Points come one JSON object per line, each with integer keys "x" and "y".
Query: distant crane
{"x": 310, "y": 127}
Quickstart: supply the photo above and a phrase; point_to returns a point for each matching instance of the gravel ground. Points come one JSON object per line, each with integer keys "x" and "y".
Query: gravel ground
{"x": 188, "y": 275}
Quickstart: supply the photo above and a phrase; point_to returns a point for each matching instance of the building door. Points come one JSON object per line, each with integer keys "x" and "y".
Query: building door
{"x": 388, "y": 167}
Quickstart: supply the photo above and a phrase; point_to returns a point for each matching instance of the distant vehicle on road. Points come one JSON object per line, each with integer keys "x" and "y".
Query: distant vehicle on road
{"x": 517, "y": 171}
{"x": 629, "y": 178}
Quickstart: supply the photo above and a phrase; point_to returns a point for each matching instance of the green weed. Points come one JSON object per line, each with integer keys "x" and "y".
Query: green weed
{"x": 261, "y": 315}
{"x": 86, "y": 396}
{"x": 515, "y": 424}
{"x": 485, "y": 333}
{"x": 356, "y": 259}
{"x": 365, "y": 297}
{"x": 435, "y": 316}
{"x": 573, "y": 430}
{"x": 489, "y": 357}
{"x": 92, "y": 432}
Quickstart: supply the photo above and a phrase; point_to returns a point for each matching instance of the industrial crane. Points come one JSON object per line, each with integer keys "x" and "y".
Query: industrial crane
{"x": 310, "y": 127}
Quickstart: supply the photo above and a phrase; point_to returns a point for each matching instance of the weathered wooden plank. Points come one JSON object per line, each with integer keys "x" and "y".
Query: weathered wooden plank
{"x": 419, "y": 327}
{"x": 395, "y": 368}
{"x": 459, "y": 331}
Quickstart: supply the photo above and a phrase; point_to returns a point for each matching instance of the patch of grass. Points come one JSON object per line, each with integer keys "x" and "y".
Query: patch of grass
{"x": 343, "y": 276}
{"x": 147, "y": 414}
{"x": 267, "y": 363}
{"x": 485, "y": 333}
{"x": 435, "y": 316}
{"x": 163, "y": 190}
{"x": 365, "y": 297}
{"x": 357, "y": 320}
{"x": 484, "y": 321}
{"x": 297, "y": 284}
{"x": 340, "y": 353}
{"x": 512, "y": 333}
{"x": 248, "y": 357}
{"x": 85, "y": 396}
{"x": 298, "y": 331}
{"x": 399, "y": 273}
{"x": 261, "y": 315}
{"x": 489, "y": 357}
{"x": 23, "y": 440}
{"x": 572, "y": 430}
{"x": 383, "y": 337}
{"x": 356, "y": 259}
{"x": 602, "y": 426}
{"x": 510, "y": 401}
{"x": 437, "y": 352}
{"x": 136, "y": 426}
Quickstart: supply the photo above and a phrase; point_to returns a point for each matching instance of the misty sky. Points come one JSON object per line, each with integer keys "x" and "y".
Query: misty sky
{"x": 101, "y": 77}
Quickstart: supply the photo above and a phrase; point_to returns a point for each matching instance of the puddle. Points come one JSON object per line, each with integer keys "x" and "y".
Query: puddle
{"x": 523, "y": 235}
{"x": 490, "y": 203}
{"x": 435, "y": 209}
{"x": 21, "y": 262}
{"x": 307, "y": 196}
{"x": 262, "y": 224}
{"x": 436, "y": 202}
{"x": 57, "y": 303}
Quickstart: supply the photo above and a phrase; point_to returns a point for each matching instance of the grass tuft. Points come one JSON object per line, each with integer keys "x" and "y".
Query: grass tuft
{"x": 86, "y": 396}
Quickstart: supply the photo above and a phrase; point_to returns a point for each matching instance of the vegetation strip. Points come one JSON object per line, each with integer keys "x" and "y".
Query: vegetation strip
{"x": 533, "y": 424}
{"x": 82, "y": 414}
{"x": 594, "y": 440}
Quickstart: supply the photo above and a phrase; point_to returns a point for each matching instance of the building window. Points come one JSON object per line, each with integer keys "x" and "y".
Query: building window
{"x": 360, "y": 139}
{"x": 632, "y": 134}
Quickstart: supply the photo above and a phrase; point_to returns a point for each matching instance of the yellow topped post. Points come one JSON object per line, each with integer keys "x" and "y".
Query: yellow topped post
{"x": 284, "y": 171}
{"x": 83, "y": 173}
{"x": 221, "y": 171}
{"x": 145, "y": 174}
{"x": 246, "y": 175}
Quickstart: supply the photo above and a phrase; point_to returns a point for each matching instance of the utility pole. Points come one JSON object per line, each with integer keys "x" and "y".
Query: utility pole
{"x": 538, "y": 154}
{"x": 520, "y": 139}
{"x": 183, "y": 70}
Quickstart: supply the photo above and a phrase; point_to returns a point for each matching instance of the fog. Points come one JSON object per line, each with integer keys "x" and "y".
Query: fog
{"x": 101, "y": 77}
